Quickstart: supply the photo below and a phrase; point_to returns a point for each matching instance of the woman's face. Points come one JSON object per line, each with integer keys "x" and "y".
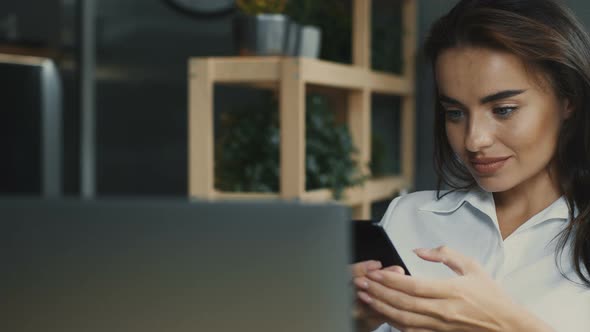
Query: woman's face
{"x": 501, "y": 120}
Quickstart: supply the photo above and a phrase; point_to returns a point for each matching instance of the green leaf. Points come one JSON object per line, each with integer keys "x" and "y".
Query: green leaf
{"x": 247, "y": 150}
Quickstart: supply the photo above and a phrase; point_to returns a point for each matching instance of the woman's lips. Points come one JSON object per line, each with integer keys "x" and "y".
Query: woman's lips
{"x": 487, "y": 166}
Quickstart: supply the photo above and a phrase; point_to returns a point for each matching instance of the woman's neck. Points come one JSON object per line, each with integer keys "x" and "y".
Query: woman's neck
{"x": 517, "y": 205}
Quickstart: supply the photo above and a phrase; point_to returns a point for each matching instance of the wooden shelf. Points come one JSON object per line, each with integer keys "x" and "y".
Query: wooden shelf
{"x": 22, "y": 59}
{"x": 252, "y": 70}
{"x": 266, "y": 71}
{"x": 36, "y": 52}
{"x": 291, "y": 76}
{"x": 377, "y": 189}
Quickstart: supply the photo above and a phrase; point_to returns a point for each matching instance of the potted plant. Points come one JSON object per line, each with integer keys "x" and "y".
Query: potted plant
{"x": 247, "y": 151}
{"x": 261, "y": 28}
{"x": 309, "y": 35}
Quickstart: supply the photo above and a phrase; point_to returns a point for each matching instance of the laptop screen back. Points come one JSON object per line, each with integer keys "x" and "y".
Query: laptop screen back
{"x": 173, "y": 266}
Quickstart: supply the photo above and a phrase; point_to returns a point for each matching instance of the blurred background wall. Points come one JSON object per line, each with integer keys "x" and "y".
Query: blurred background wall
{"x": 139, "y": 83}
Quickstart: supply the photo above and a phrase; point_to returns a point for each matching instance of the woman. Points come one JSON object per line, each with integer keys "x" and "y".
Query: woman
{"x": 512, "y": 131}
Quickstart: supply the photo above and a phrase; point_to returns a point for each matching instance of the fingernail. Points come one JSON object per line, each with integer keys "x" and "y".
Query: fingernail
{"x": 361, "y": 283}
{"x": 365, "y": 297}
{"x": 375, "y": 275}
{"x": 374, "y": 265}
{"x": 396, "y": 269}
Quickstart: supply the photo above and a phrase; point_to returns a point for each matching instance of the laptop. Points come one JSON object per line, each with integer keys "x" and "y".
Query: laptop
{"x": 174, "y": 266}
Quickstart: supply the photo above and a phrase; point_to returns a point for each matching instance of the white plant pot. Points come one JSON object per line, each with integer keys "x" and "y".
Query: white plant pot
{"x": 310, "y": 39}
{"x": 263, "y": 34}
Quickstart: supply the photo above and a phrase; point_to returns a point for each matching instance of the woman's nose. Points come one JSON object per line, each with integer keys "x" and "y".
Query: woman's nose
{"x": 480, "y": 134}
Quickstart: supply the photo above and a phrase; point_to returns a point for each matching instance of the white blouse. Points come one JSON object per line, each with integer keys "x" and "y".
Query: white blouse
{"x": 523, "y": 264}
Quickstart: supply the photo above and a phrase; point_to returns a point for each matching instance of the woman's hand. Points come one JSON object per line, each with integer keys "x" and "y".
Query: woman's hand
{"x": 472, "y": 301}
{"x": 366, "y": 318}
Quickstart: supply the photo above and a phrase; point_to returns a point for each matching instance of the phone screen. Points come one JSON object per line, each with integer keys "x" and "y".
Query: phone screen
{"x": 372, "y": 243}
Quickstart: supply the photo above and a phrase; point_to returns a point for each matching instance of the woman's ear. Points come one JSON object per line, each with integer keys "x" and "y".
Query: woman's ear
{"x": 568, "y": 109}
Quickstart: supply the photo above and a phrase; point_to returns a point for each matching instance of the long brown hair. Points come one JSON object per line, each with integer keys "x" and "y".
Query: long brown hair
{"x": 548, "y": 37}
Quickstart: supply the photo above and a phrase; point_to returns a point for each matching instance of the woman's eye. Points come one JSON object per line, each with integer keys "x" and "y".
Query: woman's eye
{"x": 504, "y": 111}
{"x": 454, "y": 115}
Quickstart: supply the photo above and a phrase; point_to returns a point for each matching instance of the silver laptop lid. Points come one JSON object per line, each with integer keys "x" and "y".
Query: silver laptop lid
{"x": 90, "y": 266}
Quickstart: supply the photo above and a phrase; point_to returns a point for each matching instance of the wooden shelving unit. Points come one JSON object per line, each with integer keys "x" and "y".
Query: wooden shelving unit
{"x": 290, "y": 76}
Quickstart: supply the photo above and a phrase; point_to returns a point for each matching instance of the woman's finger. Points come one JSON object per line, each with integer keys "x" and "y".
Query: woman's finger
{"x": 415, "y": 286}
{"x": 456, "y": 261}
{"x": 403, "y": 320}
{"x": 400, "y": 300}
{"x": 362, "y": 268}
{"x": 395, "y": 268}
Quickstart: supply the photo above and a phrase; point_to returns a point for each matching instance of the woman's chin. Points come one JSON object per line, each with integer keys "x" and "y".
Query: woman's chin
{"x": 493, "y": 185}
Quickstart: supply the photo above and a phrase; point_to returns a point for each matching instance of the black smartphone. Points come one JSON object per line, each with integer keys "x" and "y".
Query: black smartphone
{"x": 372, "y": 243}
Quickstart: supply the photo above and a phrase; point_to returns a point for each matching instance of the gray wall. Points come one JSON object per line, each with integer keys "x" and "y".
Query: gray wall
{"x": 428, "y": 12}
{"x": 141, "y": 86}
{"x": 582, "y": 9}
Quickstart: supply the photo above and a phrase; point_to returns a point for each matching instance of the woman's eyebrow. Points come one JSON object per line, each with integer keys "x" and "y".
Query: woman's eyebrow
{"x": 487, "y": 99}
{"x": 449, "y": 100}
{"x": 500, "y": 95}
